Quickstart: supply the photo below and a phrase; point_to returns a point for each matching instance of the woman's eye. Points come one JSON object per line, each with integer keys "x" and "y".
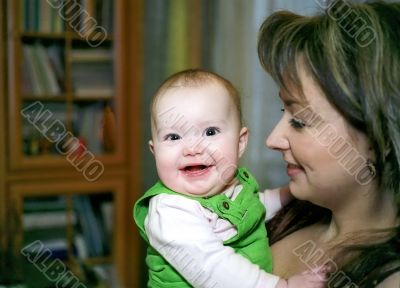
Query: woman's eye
{"x": 296, "y": 123}
{"x": 211, "y": 131}
{"x": 172, "y": 137}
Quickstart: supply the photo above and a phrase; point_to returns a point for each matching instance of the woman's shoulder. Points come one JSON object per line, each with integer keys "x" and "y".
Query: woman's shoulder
{"x": 297, "y": 252}
{"x": 303, "y": 250}
{"x": 391, "y": 281}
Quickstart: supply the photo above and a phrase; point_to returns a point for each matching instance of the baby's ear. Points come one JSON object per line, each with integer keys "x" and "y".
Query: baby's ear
{"x": 151, "y": 146}
{"x": 243, "y": 139}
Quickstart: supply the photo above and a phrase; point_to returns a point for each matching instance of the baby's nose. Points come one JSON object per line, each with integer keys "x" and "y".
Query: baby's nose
{"x": 194, "y": 146}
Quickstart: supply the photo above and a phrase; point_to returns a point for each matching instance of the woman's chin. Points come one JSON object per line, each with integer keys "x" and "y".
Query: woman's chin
{"x": 298, "y": 192}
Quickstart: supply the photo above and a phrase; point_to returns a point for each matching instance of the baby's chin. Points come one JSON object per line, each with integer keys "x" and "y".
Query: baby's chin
{"x": 203, "y": 189}
{"x": 200, "y": 191}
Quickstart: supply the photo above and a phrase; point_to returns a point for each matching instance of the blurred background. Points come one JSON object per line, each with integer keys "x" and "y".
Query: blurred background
{"x": 77, "y": 78}
{"x": 220, "y": 36}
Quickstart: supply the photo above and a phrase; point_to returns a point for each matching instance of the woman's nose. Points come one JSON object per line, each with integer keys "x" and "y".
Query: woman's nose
{"x": 277, "y": 139}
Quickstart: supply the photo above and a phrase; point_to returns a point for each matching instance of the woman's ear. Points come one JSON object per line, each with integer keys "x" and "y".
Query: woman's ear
{"x": 243, "y": 139}
{"x": 151, "y": 146}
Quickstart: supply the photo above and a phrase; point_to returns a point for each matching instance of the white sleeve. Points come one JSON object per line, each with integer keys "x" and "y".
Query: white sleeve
{"x": 179, "y": 231}
{"x": 271, "y": 200}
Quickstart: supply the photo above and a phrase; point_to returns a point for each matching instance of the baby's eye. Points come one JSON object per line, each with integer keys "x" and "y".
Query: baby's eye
{"x": 172, "y": 137}
{"x": 211, "y": 131}
{"x": 297, "y": 123}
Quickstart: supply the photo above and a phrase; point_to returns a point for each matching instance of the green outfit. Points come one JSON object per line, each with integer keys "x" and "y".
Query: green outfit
{"x": 245, "y": 212}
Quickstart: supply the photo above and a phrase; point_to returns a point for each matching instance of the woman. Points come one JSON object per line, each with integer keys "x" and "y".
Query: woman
{"x": 339, "y": 78}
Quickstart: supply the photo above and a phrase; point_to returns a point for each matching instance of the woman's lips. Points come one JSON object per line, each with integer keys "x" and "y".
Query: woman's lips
{"x": 293, "y": 170}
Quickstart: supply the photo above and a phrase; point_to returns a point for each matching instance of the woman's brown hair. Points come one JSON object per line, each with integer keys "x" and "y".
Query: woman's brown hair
{"x": 353, "y": 53}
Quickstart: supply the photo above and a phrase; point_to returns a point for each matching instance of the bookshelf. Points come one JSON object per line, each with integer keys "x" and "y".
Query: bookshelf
{"x": 64, "y": 56}
{"x": 75, "y": 223}
{"x": 70, "y": 103}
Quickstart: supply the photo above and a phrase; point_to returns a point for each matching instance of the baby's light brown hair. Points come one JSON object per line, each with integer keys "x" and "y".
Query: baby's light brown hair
{"x": 193, "y": 78}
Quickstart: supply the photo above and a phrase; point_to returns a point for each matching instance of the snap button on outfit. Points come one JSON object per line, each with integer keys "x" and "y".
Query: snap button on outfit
{"x": 225, "y": 205}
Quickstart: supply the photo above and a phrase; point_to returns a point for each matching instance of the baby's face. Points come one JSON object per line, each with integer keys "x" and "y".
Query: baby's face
{"x": 197, "y": 139}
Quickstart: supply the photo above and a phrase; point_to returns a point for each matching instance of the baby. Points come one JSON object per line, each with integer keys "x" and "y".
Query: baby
{"x": 205, "y": 218}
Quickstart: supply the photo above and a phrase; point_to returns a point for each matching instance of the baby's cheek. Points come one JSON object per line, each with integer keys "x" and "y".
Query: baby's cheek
{"x": 169, "y": 179}
{"x": 165, "y": 169}
{"x": 227, "y": 173}
{"x": 226, "y": 167}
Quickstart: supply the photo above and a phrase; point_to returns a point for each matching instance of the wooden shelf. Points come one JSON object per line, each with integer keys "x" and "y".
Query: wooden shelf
{"x": 98, "y": 260}
{"x": 76, "y": 37}
{"x": 47, "y": 98}
{"x": 70, "y": 190}
{"x": 45, "y": 175}
{"x": 90, "y": 98}
{"x": 43, "y": 35}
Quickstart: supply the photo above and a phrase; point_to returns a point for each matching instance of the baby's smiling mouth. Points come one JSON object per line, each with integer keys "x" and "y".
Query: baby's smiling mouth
{"x": 193, "y": 168}
{"x": 196, "y": 169}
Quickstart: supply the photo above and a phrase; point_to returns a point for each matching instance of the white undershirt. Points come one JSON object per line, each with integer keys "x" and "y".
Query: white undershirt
{"x": 190, "y": 237}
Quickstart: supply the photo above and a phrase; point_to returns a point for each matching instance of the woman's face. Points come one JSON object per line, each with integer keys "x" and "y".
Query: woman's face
{"x": 325, "y": 156}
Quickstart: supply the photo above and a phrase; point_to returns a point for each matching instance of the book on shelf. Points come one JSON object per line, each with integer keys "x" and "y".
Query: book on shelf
{"x": 46, "y": 71}
{"x": 47, "y": 213}
{"x": 88, "y": 125}
{"x": 94, "y": 92}
{"x": 107, "y": 274}
{"x": 92, "y": 75}
{"x": 40, "y": 16}
{"x": 45, "y": 234}
{"x": 89, "y": 55}
{"x": 88, "y": 120}
{"x": 87, "y": 19}
{"x": 34, "y": 142}
{"x": 47, "y": 219}
{"x": 106, "y": 15}
{"x": 92, "y": 226}
{"x": 58, "y": 248}
{"x": 29, "y": 72}
{"x": 81, "y": 247}
{"x": 107, "y": 212}
{"x": 55, "y": 53}
{"x": 42, "y": 70}
{"x": 49, "y": 203}
{"x": 98, "y": 13}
